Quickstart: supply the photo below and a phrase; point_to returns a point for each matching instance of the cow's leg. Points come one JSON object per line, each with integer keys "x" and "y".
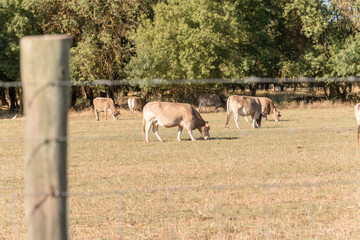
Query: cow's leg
{"x": 228, "y": 115}
{"x": 205, "y": 108}
{"x": 216, "y": 107}
{"x": 246, "y": 119}
{"x": 236, "y": 119}
{"x": 258, "y": 121}
{"x": 179, "y": 133}
{"x": 97, "y": 115}
{"x": 255, "y": 117}
{"x": 188, "y": 129}
{"x": 156, "y": 131}
{"x": 199, "y": 106}
{"x": 147, "y": 130}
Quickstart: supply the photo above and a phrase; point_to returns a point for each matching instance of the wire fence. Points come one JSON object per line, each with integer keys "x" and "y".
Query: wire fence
{"x": 260, "y": 209}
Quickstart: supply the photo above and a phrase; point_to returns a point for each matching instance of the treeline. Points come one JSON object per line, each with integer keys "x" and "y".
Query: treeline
{"x": 188, "y": 39}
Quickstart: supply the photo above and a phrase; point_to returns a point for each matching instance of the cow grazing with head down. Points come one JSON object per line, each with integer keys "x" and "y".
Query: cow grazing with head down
{"x": 135, "y": 104}
{"x": 105, "y": 105}
{"x": 244, "y": 106}
{"x": 357, "y": 116}
{"x": 207, "y": 100}
{"x": 169, "y": 114}
{"x": 268, "y": 107}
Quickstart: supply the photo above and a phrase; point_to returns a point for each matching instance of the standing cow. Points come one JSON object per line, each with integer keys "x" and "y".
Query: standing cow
{"x": 244, "y": 106}
{"x": 207, "y": 100}
{"x": 169, "y": 114}
{"x": 105, "y": 105}
{"x": 268, "y": 107}
{"x": 135, "y": 104}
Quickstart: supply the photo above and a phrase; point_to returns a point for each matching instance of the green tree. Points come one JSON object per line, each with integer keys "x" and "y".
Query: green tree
{"x": 16, "y": 21}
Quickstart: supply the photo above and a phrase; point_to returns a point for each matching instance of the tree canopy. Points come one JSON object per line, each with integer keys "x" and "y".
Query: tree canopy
{"x": 190, "y": 39}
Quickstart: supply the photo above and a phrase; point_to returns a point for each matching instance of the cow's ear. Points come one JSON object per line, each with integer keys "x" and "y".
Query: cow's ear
{"x": 207, "y": 124}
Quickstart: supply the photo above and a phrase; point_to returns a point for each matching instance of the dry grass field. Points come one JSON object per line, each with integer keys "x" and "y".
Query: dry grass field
{"x": 293, "y": 179}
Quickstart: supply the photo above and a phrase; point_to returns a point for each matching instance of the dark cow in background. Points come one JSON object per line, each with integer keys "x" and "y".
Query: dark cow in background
{"x": 105, "y": 105}
{"x": 168, "y": 114}
{"x": 207, "y": 100}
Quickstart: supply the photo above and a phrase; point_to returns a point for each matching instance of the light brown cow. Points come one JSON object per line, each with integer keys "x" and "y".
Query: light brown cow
{"x": 105, "y": 105}
{"x": 169, "y": 114}
{"x": 268, "y": 107}
{"x": 357, "y": 116}
{"x": 211, "y": 100}
{"x": 135, "y": 104}
{"x": 244, "y": 106}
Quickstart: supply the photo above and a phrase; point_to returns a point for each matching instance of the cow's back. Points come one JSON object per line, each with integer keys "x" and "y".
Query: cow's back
{"x": 244, "y": 103}
{"x": 167, "y": 109}
{"x": 167, "y": 113}
{"x": 101, "y": 103}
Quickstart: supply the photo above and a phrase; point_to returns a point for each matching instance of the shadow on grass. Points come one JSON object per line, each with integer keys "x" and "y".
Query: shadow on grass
{"x": 223, "y": 138}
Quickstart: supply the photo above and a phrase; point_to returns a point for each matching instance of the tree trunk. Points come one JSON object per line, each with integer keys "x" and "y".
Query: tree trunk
{"x": 253, "y": 88}
{"x": 110, "y": 92}
{"x": 3, "y": 97}
{"x": 12, "y": 95}
{"x": 74, "y": 93}
{"x": 89, "y": 95}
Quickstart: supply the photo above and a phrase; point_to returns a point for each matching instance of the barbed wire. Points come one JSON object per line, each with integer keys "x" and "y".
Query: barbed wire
{"x": 140, "y": 82}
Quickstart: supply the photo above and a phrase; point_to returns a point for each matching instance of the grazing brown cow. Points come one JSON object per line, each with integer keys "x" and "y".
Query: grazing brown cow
{"x": 135, "y": 104}
{"x": 169, "y": 114}
{"x": 105, "y": 105}
{"x": 357, "y": 116}
{"x": 268, "y": 107}
{"x": 211, "y": 100}
{"x": 244, "y": 106}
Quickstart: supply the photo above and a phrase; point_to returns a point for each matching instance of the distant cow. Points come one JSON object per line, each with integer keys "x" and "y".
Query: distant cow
{"x": 244, "y": 106}
{"x": 268, "y": 107}
{"x": 105, "y": 105}
{"x": 135, "y": 104}
{"x": 357, "y": 116}
{"x": 207, "y": 100}
{"x": 169, "y": 114}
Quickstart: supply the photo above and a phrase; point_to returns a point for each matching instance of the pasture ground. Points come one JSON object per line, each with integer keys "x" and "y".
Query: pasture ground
{"x": 293, "y": 179}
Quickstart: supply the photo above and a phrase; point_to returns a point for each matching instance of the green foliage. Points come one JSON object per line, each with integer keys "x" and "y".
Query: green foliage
{"x": 189, "y": 39}
{"x": 100, "y": 29}
{"x": 16, "y": 21}
{"x": 205, "y": 39}
{"x": 346, "y": 60}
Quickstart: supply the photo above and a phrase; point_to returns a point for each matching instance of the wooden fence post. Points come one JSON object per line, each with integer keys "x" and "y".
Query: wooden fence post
{"x": 44, "y": 62}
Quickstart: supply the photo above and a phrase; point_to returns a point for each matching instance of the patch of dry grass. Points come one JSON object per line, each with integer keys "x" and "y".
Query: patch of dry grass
{"x": 293, "y": 179}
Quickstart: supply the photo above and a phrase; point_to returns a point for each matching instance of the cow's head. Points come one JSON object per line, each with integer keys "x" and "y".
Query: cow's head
{"x": 204, "y": 130}
{"x": 276, "y": 115}
{"x": 115, "y": 114}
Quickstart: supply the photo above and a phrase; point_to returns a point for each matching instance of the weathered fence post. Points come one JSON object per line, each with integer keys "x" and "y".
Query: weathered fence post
{"x": 45, "y": 78}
